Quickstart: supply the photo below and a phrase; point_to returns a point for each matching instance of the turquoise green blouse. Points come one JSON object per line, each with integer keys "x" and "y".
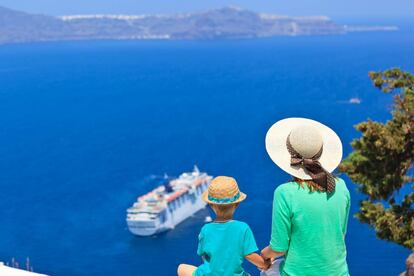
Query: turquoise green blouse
{"x": 310, "y": 227}
{"x": 224, "y": 246}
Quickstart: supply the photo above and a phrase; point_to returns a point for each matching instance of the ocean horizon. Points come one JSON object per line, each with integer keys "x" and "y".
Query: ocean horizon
{"x": 86, "y": 125}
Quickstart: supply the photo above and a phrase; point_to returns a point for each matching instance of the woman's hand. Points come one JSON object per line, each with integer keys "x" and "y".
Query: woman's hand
{"x": 269, "y": 254}
{"x": 258, "y": 261}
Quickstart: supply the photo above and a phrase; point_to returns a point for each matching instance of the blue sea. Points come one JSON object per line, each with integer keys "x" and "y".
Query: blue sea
{"x": 86, "y": 126}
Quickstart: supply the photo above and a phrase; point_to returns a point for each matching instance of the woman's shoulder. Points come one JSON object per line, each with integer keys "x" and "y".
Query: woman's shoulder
{"x": 293, "y": 186}
{"x": 287, "y": 187}
{"x": 341, "y": 185}
{"x": 286, "y": 191}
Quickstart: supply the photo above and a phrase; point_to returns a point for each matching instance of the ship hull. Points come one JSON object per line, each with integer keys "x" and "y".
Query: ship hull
{"x": 136, "y": 228}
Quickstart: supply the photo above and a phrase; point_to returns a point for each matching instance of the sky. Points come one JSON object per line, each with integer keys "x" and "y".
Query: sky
{"x": 368, "y": 9}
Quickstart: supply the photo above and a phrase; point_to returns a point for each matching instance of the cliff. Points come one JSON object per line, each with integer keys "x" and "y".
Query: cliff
{"x": 224, "y": 23}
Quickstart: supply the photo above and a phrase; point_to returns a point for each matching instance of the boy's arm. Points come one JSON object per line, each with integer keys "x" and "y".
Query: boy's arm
{"x": 258, "y": 261}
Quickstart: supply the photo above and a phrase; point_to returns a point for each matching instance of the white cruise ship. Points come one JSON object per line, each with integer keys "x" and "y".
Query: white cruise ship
{"x": 169, "y": 204}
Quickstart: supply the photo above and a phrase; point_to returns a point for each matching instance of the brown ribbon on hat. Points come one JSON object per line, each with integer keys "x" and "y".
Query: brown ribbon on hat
{"x": 324, "y": 179}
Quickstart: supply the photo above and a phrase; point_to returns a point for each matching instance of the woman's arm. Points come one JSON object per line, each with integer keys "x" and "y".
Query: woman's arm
{"x": 281, "y": 224}
{"x": 269, "y": 254}
{"x": 258, "y": 261}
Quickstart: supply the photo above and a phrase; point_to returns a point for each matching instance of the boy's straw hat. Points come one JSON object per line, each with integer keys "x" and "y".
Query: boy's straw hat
{"x": 307, "y": 138}
{"x": 223, "y": 190}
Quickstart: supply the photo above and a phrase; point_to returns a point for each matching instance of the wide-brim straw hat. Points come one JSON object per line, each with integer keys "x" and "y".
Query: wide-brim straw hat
{"x": 223, "y": 190}
{"x": 308, "y": 136}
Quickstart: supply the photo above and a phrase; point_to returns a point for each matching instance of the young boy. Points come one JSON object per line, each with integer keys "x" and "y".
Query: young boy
{"x": 224, "y": 243}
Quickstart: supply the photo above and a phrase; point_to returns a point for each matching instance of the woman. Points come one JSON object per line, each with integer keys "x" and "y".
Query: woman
{"x": 310, "y": 213}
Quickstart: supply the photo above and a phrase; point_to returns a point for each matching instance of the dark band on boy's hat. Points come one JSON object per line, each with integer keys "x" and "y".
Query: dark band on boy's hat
{"x": 224, "y": 200}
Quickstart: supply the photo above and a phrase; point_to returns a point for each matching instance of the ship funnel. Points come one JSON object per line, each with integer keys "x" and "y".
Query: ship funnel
{"x": 196, "y": 170}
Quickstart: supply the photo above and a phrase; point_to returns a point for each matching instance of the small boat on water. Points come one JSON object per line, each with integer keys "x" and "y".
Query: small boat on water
{"x": 355, "y": 100}
{"x": 169, "y": 204}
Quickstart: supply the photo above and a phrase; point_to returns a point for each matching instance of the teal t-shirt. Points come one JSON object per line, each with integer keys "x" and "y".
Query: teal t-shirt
{"x": 224, "y": 246}
{"x": 310, "y": 227}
